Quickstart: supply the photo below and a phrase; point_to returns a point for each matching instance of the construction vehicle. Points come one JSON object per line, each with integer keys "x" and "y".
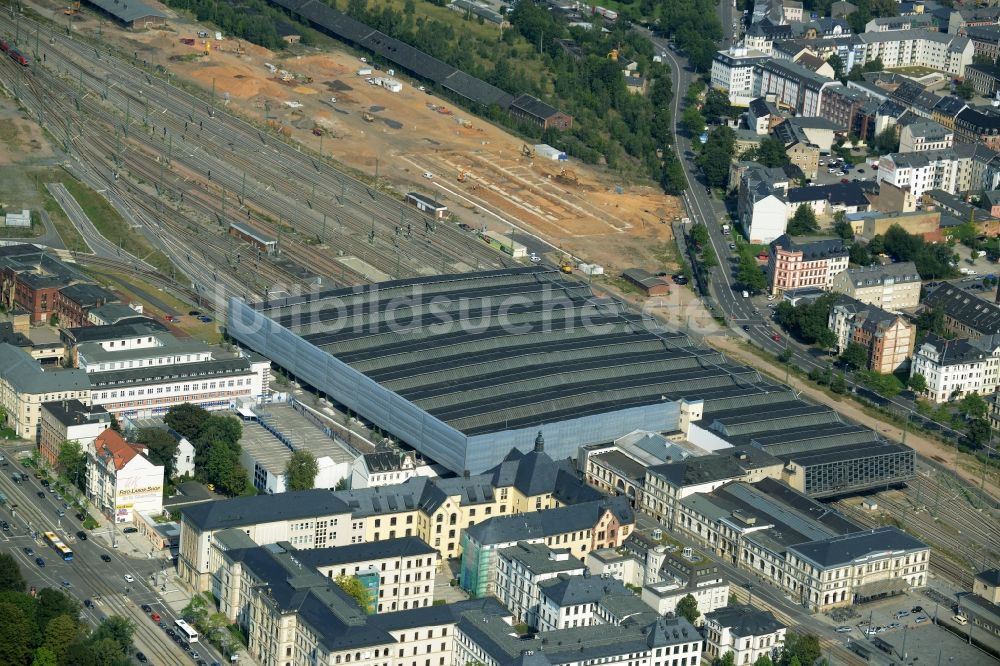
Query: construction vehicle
{"x": 567, "y": 177}
{"x": 368, "y": 117}
{"x": 318, "y": 131}
{"x": 461, "y": 177}
{"x": 73, "y": 8}
{"x": 565, "y": 265}
{"x": 527, "y": 151}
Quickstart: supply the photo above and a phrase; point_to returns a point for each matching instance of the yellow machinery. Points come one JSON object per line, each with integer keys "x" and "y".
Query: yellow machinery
{"x": 567, "y": 176}
{"x": 565, "y": 265}
{"x": 368, "y": 117}
{"x": 461, "y": 177}
{"x": 613, "y": 55}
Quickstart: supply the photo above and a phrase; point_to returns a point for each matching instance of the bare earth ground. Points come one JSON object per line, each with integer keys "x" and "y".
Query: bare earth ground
{"x": 415, "y": 133}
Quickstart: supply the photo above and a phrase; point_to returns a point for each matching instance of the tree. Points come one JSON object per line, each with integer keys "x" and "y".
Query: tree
{"x": 60, "y": 633}
{"x": 804, "y": 648}
{"x": 771, "y": 152}
{"x": 51, "y": 603}
{"x": 72, "y": 462}
{"x": 917, "y": 383}
{"x": 708, "y": 258}
{"x": 15, "y": 635}
{"x": 699, "y": 234}
{"x": 115, "y": 424}
{"x": 354, "y": 589}
{"x": 841, "y": 226}
{"x": 749, "y": 274}
{"x": 221, "y": 467}
{"x": 886, "y": 141}
{"x": 11, "y": 579}
{"x": 673, "y": 180}
{"x": 162, "y": 447}
{"x": 973, "y": 406}
{"x": 301, "y": 471}
{"x": 716, "y": 105}
{"x": 808, "y": 322}
{"x": 44, "y": 656}
{"x": 186, "y": 419}
{"x": 763, "y": 660}
{"x": 693, "y": 121}
{"x": 803, "y": 221}
{"x": 837, "y": 63}
{"x": 965, "y": 89}
{"x": 115, "y": 628}
{"x": 688, "y": 608}
{"x": 728, "y": 659}
{"x": 931, "y": 320}
{"x": 854, "y": 356}
{"x": 859, "y": 256}
{"x": 716, "y": 156}
{"x": 978, "y": 431}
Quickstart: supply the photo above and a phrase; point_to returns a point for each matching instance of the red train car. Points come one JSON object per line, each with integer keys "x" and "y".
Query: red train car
{"x": 19, "y": 57}
{"x": 4, "y": 46}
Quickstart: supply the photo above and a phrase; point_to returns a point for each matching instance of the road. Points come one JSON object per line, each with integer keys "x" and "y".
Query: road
{"x": 88, "y": 576}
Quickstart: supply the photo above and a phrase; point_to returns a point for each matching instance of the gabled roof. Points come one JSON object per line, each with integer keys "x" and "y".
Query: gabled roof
{"x": 811, "y": 250}
{"x": 539, "y": 524}
{"x": 26, "y": 375}
{"x": 697, "y": 470}
{"x": 845, "y": 194}
{"x": 971, "y": 311}
{"x": 127, "y": 10}
{"x": 242, "y": 511}
{"x": 109, "y": 445}
{"x": 533, "y": 106}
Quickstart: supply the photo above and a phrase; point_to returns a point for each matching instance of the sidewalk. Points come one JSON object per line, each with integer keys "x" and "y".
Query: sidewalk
{"x": 924, "y": 446}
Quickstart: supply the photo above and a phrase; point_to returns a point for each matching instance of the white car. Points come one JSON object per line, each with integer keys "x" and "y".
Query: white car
{"x": 129, "y": 579}
{"x": 535, "y": 259}
{"x": 428, "y": 175}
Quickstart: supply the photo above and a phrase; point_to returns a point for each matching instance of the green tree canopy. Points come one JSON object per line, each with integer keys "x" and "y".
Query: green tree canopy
{"x": 11, "y": 579}
{"x": 354, "y": 589}
{"x": 61, "y": 633}
{"x": 301, "y": 471}
{"x": 15, "y": 635}
{"x": 809, "y": 322}
{"x": 699, "y": 234}
{"x": 854, "y": 356}
{"x": 72, "y": 462}
{"x": 687, "y": 608}
{"x": 973, "y": 406}
{"x": 886, "y": 141}
{"x": 162, "y": 447}
{"x": 917, "y": 383}
{"x": 803, "y": 221}
{"x": 716, "y": 155}
{"x": 186, "y": 419}
{"x": 749, "y": 274}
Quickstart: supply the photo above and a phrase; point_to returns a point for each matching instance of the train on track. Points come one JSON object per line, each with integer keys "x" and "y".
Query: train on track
{"x": 14, "y": 54}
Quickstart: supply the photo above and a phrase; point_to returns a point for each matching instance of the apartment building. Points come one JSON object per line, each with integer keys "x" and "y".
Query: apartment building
{"x": 985, "y": 41}
{"x": 666, "y": 485}
{"x": 841, "y": 106}
{"x": 749, "y": 633}
{"x": 439, "y": 511}
{"x": 659, "y": 642}
{"x": 924, "y": 135}
{"x": 733, "y": 73}
{"x": 579, "y": 528}
{"x": 887, "y": 338}
{"x": 978, "y": 125}
{"x": 568, "y": 601}
{"x": 909, "y": 48}
{"x": 674, "y": 573}
{"x": 25, "y": 386}
{"x": 293, "y": 615}
{"x": 69, "y": 421}
{"x": 815, "y": 555}
{"x": 793, "y": 86}
{"x": 985, "y": 79}
{"x": 761, "y": 202}
{"x": 397, "y": 573}
{"x": 955, "y": 368}
{"x": 121, "y": 480}
{"x": 965, "y": 315}
{"x": 893, "y": 287}
{"x": 928, "y": 170}
{"x": 386, "y": 468}
{"x": 793, "y": 264}
{"x": 522, "y": 568}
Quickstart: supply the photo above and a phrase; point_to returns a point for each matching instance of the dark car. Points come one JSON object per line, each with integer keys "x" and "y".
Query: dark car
{"x": 130, "y": 530}
{"x": 194, "y": 313}
{"x": 41, "y": 494}
{"x": 844, "y": 180}
{"x": 146, "y": 608}
{"x": 39, "y": 561}
{"x": 746, "y": 328}
{"x": 81, "y": 535}
{"x": 88, "y": 603}
{"x": 4, "y": 525}
{"x": 105, "y": 557}
{"x": 81, "y": 516}
{"x": 464, "y": 227}
{"x": 141, "y": 658}
{"x": 171, "y": 633}
{"x": 28, "y": 551}
{"x": 45, "y": 482}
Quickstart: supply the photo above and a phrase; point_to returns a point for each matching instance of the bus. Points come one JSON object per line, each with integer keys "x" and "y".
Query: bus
{"x": 187, "y": 631}
{"x": 57, "y": 545}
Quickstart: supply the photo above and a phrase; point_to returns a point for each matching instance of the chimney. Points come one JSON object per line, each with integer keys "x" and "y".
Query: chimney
{"x": 539, "y": 443}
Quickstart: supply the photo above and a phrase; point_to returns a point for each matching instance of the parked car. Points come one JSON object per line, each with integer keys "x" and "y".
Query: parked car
{"x": 146, "y": 608}
{"x": 154, "y": 616}
{"x": 141, "y": 658}
{"x": 88, "y": 603}
{"x": 41, "y": 494}
{"x": 28, "y": 551}
{"x": 39, "y": 561}
{"x": 194, "y": 313}
{"x": 81, "y": 535}
{"x": 130, "y": 530}
{"x": 105, "y": 557}
{"x": 129, "y": 578}
{"x": 843, "y": 630}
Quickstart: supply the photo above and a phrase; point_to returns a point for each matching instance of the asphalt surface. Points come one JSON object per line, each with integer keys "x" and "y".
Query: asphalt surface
{"x": 88, "y": 576}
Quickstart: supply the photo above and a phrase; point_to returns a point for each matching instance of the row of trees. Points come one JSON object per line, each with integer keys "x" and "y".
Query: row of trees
{"x": 43, "y": 628}
{"x": 252, "y": 20}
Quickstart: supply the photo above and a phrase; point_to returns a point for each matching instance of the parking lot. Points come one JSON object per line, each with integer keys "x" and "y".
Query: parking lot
{"x": 859, "y": 172}
{"x": 912, "y": 638}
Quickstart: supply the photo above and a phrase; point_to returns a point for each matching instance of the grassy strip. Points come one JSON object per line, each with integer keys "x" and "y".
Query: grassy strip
{"x": 71, "y": 238}
{"x": 111, "y": 225}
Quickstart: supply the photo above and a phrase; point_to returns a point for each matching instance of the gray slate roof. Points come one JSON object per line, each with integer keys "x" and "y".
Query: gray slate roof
{"x": 745, "y": 620}
{"x": 576, "y": 517}
{"x": 844, "y": 549}
{"x": 976, "y": 313}
{"x": 26, "y": 375}
{"x": 127, "y": 10}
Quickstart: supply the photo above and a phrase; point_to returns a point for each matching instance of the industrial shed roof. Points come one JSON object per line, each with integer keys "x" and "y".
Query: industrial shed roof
{"x": 491, "y": 351}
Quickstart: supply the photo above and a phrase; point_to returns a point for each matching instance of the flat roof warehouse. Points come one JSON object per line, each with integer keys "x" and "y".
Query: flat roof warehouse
{"x": 465, "y": 367}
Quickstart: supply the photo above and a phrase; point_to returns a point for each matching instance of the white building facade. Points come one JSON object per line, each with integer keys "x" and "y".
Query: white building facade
{"x": 121, "y": 480}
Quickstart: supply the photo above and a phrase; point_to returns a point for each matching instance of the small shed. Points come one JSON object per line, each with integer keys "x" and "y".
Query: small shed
{"x": 650, "y": 284}
{"x": 22, "y": 219}
{"x": 427, "y": 205}
{"x": 548, "y": 152}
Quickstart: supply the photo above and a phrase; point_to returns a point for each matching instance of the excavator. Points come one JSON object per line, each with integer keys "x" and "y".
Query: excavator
{"x": 567, "y": 177}
{"x": 565, "y": 265}
{"x": 527, "y": 151}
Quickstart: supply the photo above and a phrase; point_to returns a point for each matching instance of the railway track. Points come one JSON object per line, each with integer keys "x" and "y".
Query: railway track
{"x": 285, "y": 184}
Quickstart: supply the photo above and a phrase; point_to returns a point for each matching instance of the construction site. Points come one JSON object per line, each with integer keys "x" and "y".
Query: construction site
{"x": 387, "y": 126}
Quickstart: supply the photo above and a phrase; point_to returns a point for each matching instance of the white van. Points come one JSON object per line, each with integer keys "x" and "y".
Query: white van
{"x": 960, "y": 619}
{"x": 746, "y": 294}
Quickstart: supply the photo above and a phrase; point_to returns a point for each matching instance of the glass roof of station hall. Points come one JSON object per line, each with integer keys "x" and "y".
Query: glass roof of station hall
{"x": 503, "y": 349}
